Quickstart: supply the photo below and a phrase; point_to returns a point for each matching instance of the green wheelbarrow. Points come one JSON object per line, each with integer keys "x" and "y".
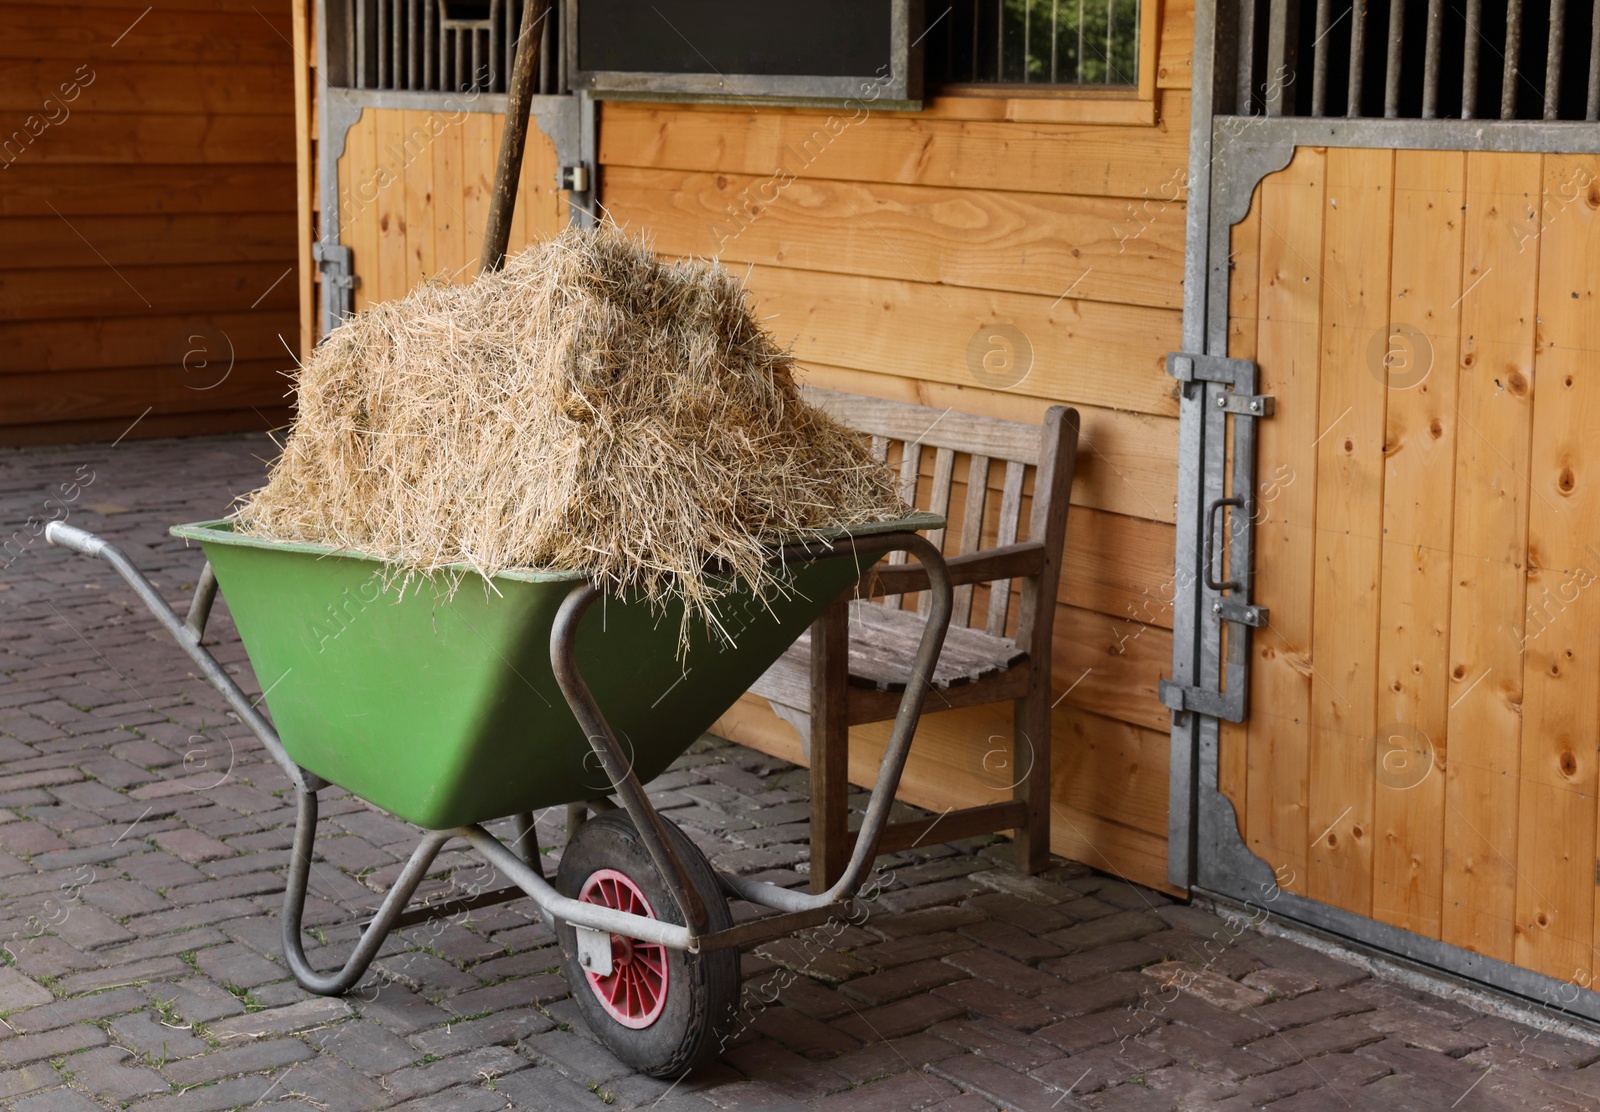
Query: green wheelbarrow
{"x": 527, "y": 691}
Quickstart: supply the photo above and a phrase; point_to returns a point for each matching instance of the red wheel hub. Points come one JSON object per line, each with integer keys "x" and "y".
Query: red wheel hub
{"x": 635, "y": 990}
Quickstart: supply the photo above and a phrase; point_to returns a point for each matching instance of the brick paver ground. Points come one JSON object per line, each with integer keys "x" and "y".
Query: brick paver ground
{"x": 143, "y": 838}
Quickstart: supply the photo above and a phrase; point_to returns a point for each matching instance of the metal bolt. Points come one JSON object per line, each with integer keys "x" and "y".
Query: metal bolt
{"x": 1255, "y": 407}
{"x": 1253, "y": 616}
{"x": 1216, "y": 607}
{"x": 1222, "y": 403}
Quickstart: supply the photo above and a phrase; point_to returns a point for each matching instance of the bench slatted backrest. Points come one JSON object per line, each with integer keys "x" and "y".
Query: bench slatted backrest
{"x": 986, "y": 441}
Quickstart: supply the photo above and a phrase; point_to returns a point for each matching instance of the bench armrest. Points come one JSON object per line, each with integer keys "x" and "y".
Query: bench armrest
{"x": 1014, "y": 561}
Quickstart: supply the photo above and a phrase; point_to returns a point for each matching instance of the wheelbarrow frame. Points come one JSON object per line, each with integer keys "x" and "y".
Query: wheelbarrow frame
{"x": 595, "y": 922}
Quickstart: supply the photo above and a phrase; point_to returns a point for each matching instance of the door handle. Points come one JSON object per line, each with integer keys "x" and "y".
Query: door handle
{"x": 1211, "y": 534}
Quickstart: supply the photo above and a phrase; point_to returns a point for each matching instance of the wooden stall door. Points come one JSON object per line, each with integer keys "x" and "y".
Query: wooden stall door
{"x": 1421, "y": 744}
{"x": 414, "y": 190}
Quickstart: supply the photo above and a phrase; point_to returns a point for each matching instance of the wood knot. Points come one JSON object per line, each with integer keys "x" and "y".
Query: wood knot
{"x": 1567, "y": 480}
{"x": 1517, "y": 383}
{"x": 1569, "y": 764}
{"x": 1460, "y": 672}
{"x": 1436, "y": 428}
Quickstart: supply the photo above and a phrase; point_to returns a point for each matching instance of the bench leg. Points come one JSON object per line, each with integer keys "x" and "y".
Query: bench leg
{"x": 830, "y": 746}
{"x": 1031, "y": 736}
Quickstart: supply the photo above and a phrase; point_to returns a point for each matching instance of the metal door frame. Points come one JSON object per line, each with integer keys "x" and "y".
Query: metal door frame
{"x": 1228, "y": 158}
{"x": 568, "y": 120}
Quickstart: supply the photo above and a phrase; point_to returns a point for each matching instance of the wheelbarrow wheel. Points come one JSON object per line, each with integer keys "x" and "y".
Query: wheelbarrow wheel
{"x": 661, "y": 1011}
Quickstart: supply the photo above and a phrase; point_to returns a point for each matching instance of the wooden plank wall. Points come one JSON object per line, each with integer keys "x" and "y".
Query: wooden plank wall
{"x": 1424, "y": 705}
{"x": 880, "y": 244}
{"x": 147, "y": 230}
{"x": 414, "y": 192}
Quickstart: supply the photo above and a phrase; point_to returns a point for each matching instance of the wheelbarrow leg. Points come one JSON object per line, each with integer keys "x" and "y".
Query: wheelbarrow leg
{"x": 294, "y": 902}
{"x": 527, "y": 840}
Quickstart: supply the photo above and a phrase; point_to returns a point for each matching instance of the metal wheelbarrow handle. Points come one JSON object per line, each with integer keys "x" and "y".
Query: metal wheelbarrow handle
{"x": 187, "y": 632}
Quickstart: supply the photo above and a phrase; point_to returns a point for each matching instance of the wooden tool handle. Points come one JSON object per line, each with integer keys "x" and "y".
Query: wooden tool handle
{"x": 524, "y": 75}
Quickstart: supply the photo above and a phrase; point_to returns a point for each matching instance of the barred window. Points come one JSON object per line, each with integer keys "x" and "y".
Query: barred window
{"x": 1031, "y": 43}
{"x": 1429, "y": 59}
{"x": 439, "y": 46}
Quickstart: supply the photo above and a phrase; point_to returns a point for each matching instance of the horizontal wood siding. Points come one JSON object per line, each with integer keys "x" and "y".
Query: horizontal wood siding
{"x": 147, "y": 229}
{"x": 880, "y": 246}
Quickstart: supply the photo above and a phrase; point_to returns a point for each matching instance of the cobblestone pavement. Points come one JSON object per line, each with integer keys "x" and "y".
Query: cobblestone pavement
{"x": 143, "y": 838}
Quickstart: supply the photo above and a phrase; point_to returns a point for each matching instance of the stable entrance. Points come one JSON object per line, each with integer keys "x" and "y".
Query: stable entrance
{"x": 1387, "y": 693}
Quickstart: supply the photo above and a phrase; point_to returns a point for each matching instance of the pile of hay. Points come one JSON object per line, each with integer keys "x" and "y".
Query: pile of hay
{"x": 588, "y": 408}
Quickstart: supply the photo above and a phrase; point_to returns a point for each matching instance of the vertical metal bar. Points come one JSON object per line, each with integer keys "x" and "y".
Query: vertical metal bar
{"x": 351, "y": 37}
{"x": 1469, "y": 61}
{"x": 1591, "y": 109}
{"x": 1283, "y": 56}
{"x": 1111, "y": 77}
{"x": 1000, "y": 40}
{"x": 1027, "y": 38}
{"x": 413, "y": 43}
{"x": 1430, "y": 60}
{"x": 1055, "y": 37}
{"x": 357, "y": 13}
{"x": 1552, "y": 65}
{"x": 383, "y": 44}
{"x": 1214, "y": 29}
{"x": 1391, "y": 74}
{"x": 504, "y": 53}
{"x": 430, "y": 48}
{"x": 547, "y": 50}
{"x": 1138, "y": 29}
{"x": 1244, "y": 102}
{"x": 1079, "y": 77}
{"x": 1358, "y": 55}
{"x": 1319, "y": 63}
{"x": 1509, "y": 72}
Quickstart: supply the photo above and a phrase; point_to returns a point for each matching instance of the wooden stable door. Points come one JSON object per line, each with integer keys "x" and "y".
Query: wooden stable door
{"x": 1421, "y": 746}
{"x": 414, "y": 188}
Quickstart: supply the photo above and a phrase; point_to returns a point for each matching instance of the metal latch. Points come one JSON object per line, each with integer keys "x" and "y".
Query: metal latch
{"x": 1219, "y": 387}
{"x": 575, "y": 179}
{"x": 337, "y": 264}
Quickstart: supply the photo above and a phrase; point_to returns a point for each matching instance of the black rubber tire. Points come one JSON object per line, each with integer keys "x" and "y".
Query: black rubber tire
{"x": 702, "y": 989}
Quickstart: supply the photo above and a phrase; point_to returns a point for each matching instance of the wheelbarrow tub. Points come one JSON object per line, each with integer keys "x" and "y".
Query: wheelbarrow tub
{"x": 442, "y": 708}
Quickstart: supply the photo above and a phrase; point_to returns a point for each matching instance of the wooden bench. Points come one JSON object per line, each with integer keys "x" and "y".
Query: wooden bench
{"x": 858, "y": 675}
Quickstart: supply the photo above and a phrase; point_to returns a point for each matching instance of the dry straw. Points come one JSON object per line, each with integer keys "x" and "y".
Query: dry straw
{"x": 588, "y": 408}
